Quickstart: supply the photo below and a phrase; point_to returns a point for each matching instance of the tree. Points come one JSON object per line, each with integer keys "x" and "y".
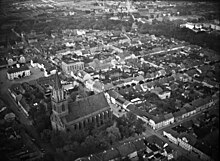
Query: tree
{"x": 139, "y": 126}
{"x": 46, "y": 135}
{"x": 48, "y": 157}
{"x": 131, "y": 118}
{"x": 113, "y": 133}
{"x": 79, "y": 136}
{"x": 56, "y": 140}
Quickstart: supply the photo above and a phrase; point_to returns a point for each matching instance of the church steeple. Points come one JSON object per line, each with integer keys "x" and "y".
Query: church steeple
{"x": 59, "y": 101}
{"x": 57, "y": 83}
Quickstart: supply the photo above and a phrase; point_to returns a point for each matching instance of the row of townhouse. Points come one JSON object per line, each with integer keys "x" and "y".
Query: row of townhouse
{"x": 184, "y": 141}
{"x": 175, "y": 138}
{"x": 20, "y": 102}
{"x": 151, "y": 148}
{"x": 156, "y": 122}
{"x": 115, "y": 98}
{"x": 187, "y": 110}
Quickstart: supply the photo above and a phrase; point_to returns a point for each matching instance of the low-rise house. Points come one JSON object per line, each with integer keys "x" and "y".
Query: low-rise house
{"x": 184, "y": 113}
{"x": 198, "y": 103}
{"x": 109, "y": 155}
{"x": 184, "y": 140}
{"x": 98, "y": 87}
{"x": 164, "y": 95}
{"x": 16, "y": 59}
{"x": 178, "y": 115}
{"x": 117, "y": 99}
{"x": 82, "y": 76}
{"x": 127, "y": 150}
{"x": 171, "y": 135}
{"x": 101, "y": 64}
{"x": 184, "y": 143}
{"x": 44, "y": 65}
{"x": 71, "y": 65}
{"x": 169, "y": 119}
{"x": 139, "y": 145}
{"x": 190, "y": 109}
{"x": 156, "y": 122}
{"x": 18, "y": 71}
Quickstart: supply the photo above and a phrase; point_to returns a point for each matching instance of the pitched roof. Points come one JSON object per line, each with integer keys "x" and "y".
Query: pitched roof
{"x": 198, "y": 102}
{"x": 126, "y": 149}
{"x": 108, "y": 86}
{"x": 98, "y": 85}
{"x": 183, "y": 110}
{"x": 139, "y": 144}
{"x": 86, "y": 106}
{"x": 177, "y": 114}
{"x": 168, "y": 116}
{"x": 15, "y": 69}
{"x": 172, "y": 132}
{"x": 109, "y": 154}
{"x": 158, "y": 119}
{"x": 57, "y": 83}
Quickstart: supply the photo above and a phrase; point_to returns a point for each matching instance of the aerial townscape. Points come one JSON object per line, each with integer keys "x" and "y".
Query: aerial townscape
{"x": 109, "y": 80}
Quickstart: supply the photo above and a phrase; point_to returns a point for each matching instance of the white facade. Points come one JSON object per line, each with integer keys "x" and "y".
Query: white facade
{"x": 170, "y": 137}
{"x": 12, "y": 76}
{"x": 184, "y": 145}
{"x": 72, "y": 67}
{"x": 165, "y": 95}
{"x": 168, "y": 121}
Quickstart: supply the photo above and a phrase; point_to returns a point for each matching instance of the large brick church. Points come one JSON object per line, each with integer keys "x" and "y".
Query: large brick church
{"x": 75, "y": 115}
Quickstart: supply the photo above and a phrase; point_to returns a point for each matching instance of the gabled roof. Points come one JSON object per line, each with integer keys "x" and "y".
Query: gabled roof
{"x": 86, "y": 106}
{"x": 108, "y": 86}
{"x": 158, "y": 119}
{"x": 190, "y": 138}
{"x": 109, "y": 154}
{"x": 98, "y": 85}
{"x": 198, "y": 102}
{"x": 168, "y": 116}
{"x": 126, "y": 149}
{"x": 177, "y": 114}
{"x": 183, "y": 110}
{"x": 15, "y": 69}
{"x": 139, "y": 144}
{"x": 172, "y": 132}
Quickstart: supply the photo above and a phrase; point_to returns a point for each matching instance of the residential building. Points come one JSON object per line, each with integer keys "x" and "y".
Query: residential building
{"x": 69, "y": 66}
{"x": 18, "y": 71}
{"x": 43, "y": 65}
{"x": 169, "y": 119}
{"x": 16, "y": 59}
{"x": 172, "y": 137}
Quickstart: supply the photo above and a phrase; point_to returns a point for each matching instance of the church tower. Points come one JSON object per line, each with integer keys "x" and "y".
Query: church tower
{"x": 58, "y": 100}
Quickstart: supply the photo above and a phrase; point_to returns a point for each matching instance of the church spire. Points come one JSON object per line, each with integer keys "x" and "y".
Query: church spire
{"x": 57, "y": 83}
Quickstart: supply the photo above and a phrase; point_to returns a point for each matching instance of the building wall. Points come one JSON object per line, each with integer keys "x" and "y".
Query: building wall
{"x": 169, "y": 121}
{"x": 12, "y": 76}
{"x": 74, "y": 67}
{"x": 56, "y": 123}
{"x": 184, "y": 144}
{"x": 97, "y": 119}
